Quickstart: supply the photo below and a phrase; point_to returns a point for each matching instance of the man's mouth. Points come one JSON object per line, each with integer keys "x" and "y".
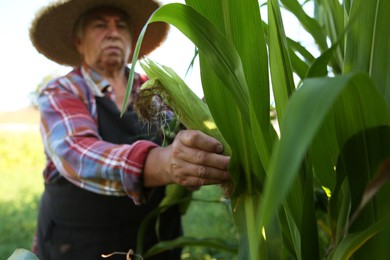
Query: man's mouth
{"x": 112, "y": 48}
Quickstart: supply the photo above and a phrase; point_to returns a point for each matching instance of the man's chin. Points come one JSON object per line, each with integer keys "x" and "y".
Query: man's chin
{"x": 114, "y": 63}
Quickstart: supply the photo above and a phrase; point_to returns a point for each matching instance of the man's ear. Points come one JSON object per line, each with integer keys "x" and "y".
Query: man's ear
{"x": 77, "y": 42}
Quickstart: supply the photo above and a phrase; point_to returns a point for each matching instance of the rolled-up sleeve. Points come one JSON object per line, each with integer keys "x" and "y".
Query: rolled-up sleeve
{"x": 133, "y": 184}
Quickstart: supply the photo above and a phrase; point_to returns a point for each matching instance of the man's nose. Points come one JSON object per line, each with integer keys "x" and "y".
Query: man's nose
{"x": 112, "y": 30}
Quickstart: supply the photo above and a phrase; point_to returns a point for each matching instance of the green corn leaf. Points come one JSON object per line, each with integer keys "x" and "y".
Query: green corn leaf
{"x": 296, "y": 46}
{"x": 378, "y": 182}
{"x": 308, "y": 221}
{"x": 364, "y": 161}
{"x": 293, "y": 229}
{"x": 324, "y": 154}
{"x": 231, "y": 129}
{"x": 347, "y": 6}
{"x": 299, "y": 66}
{"x": 280, "y": 63}
{"x": 380, "y": 64}
{"x": 339, "y": 208}
{"x": 210, "y": 42}
{"x": 310, "y": 24}
{"x": 357, "y": 99}
{"x": 319, "y": 68}
{"x": 353, "y": 242}
{"x": 174, "y": 194}
{"x": 334, "y": 15}
{"x": 370, "y": 39}
{"x": 360, "y": 161}
{"x": 299, "y": 209}
{"x": 360, "y": 38}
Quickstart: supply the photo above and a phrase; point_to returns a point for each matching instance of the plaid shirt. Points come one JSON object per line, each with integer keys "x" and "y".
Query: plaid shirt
{"x": 72, "y": 143}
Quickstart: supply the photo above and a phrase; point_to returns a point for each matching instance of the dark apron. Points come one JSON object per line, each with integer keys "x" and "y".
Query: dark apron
{"x": 77, "y": 224}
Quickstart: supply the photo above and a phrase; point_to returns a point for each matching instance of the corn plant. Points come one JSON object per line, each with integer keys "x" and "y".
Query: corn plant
{"x": 316, "y": 187}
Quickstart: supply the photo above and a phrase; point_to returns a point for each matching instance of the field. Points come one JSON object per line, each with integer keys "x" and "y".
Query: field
{"x": 21, "y": 164}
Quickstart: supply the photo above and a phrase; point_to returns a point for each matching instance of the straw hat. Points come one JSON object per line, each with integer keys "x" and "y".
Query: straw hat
{"x": 52, "y": 30}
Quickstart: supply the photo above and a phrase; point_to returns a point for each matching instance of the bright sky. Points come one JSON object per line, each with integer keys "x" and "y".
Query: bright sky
{"x": 23, "y": 69}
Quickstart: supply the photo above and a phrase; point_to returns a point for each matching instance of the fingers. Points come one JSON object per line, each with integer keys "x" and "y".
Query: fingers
{"x": 196, "y": 161}
{"x": 189, "y": 175}
{"x": 201, "y": 157}
{"x": 197, "y": 139}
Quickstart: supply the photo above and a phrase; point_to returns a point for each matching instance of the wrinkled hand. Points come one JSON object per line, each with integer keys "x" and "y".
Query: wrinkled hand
{"x": 193, "y": 159}
{"x": 196, "y": 160}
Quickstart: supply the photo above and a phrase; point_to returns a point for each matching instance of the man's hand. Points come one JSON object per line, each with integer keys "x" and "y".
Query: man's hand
{"x": 193, "y": 159}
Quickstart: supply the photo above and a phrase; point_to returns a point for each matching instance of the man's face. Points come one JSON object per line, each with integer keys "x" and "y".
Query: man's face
{"x": 105, "y": 41}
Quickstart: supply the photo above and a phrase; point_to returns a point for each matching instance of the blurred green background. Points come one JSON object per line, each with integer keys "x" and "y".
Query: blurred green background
{"x": 21, "y": 164}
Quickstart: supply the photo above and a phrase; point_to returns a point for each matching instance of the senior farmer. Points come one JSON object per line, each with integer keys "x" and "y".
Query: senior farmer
{"x": 104, "y": 173}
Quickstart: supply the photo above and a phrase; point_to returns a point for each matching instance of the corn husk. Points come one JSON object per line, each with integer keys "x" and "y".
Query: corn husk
{"x": 165, "y": 91}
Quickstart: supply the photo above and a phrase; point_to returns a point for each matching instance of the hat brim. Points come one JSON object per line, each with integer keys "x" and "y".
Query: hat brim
{"x": 52, "y": 34}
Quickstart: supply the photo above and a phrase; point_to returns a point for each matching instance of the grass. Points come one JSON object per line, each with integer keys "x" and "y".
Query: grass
{"x": 21, "y": 164}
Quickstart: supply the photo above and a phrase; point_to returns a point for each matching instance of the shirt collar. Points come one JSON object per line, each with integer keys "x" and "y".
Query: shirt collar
{"x": 95, "y": 81}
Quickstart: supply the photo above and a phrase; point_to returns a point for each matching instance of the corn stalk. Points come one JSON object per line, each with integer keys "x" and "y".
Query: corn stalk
{"x": 334, "y": 131}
